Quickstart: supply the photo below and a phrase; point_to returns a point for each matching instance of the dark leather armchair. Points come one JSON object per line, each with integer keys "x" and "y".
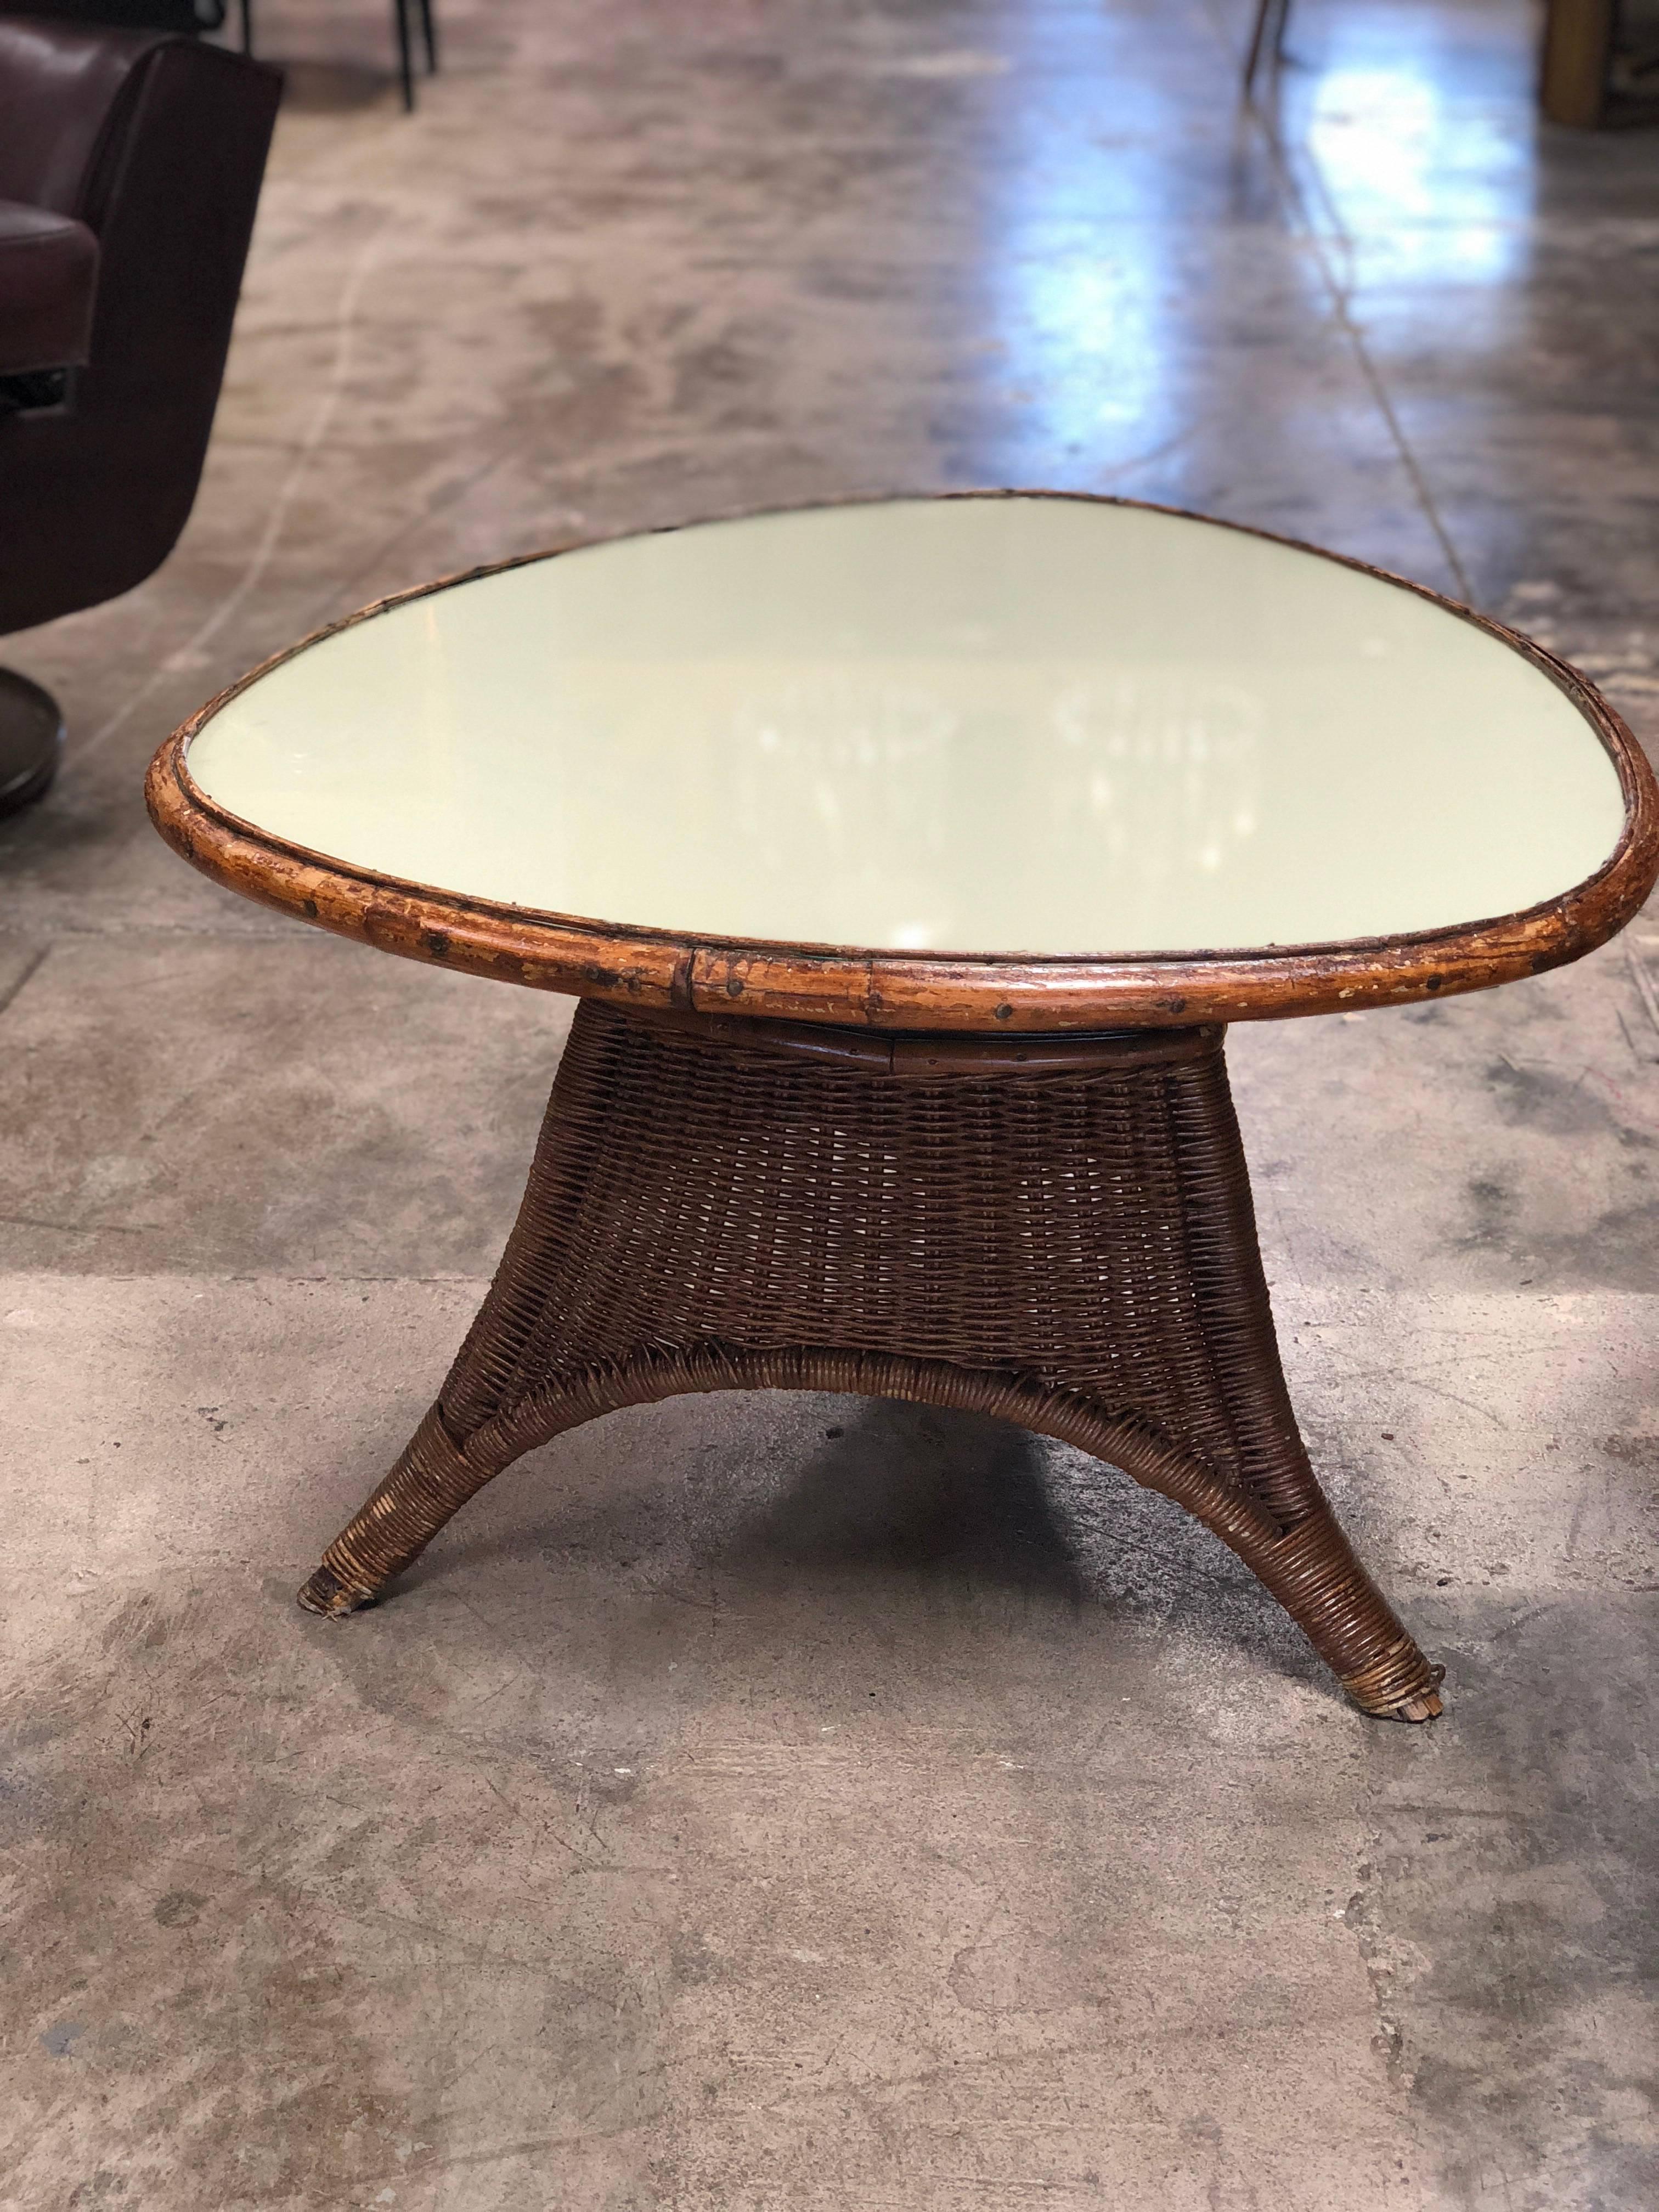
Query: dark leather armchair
{"x": 131, "y": 164}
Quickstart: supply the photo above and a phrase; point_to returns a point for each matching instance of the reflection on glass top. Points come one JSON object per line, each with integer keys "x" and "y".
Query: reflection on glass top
{"x": 980, "y": 725}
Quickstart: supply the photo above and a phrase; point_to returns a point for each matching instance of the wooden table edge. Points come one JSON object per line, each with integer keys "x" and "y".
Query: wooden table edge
{"x": 857, "y": 986}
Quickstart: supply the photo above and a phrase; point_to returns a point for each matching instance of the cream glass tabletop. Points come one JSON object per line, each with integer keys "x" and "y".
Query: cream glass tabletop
{"x": 983, "y": 724}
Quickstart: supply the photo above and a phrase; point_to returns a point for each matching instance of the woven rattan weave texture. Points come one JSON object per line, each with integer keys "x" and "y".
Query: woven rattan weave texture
{"x": 1062, "y": 1237}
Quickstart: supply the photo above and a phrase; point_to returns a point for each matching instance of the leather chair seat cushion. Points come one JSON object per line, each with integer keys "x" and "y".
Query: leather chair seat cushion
{"x": 48, "y": 279}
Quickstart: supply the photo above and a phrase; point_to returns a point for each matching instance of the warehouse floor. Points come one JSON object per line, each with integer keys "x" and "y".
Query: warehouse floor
{"x": 802, "y": 1802}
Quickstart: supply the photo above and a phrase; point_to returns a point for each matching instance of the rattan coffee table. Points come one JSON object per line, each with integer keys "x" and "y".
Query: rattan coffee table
{"x": 909, "y": 858}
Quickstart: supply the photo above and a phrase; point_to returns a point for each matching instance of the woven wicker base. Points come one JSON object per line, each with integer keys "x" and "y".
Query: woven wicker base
{"x": 1059, "y": 1233}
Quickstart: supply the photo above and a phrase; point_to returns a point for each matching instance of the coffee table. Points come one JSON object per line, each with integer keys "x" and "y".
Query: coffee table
{"x": 909, "y": 858}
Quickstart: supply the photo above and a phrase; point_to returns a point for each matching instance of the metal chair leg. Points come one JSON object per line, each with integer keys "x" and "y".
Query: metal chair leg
{"x": 430, "y": 33}
{"x": 247, "y": 26}
{"x": 1277, "y": 14}
{"x": 405, "y": 66}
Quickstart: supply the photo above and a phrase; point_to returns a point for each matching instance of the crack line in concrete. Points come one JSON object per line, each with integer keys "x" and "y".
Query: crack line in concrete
{"x": 31, "y": 968}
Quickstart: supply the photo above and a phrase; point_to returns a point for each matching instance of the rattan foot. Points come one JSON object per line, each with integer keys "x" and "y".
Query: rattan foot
{"x": 1419, "y": 1709}
{"x": 325, "y": 1594}
{"x": 1060, "y": 1234}
{"x": 1422, "y": 1704}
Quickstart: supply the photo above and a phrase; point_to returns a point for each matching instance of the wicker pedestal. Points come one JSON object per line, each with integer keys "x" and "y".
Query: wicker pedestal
{"x": 1057, "y": 1233}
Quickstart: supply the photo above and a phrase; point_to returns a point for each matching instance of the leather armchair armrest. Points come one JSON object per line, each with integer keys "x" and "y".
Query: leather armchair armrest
{"x": 48, "y": 281}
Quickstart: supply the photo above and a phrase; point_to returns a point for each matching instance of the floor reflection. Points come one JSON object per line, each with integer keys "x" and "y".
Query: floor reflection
{"x": 1189, "y": 298}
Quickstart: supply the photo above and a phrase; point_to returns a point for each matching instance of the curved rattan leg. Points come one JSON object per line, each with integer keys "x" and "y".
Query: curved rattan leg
{"x": 435, "y": 1476}
{"x": 431, "y": 1481}
{"x": 1311, "y": 1570}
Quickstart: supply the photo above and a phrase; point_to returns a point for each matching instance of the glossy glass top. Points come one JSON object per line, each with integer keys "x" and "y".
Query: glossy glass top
{"x": 978, "y": 725}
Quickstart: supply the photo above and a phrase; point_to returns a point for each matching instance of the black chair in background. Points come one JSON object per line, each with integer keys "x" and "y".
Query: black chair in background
{"x": 400, "y": 26}
{"x": 188, "y": 16}
{"x": 131, "y": 163}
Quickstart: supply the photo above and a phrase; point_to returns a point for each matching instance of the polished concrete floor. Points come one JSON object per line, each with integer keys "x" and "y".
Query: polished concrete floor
{"x": 797, "y": 1803}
